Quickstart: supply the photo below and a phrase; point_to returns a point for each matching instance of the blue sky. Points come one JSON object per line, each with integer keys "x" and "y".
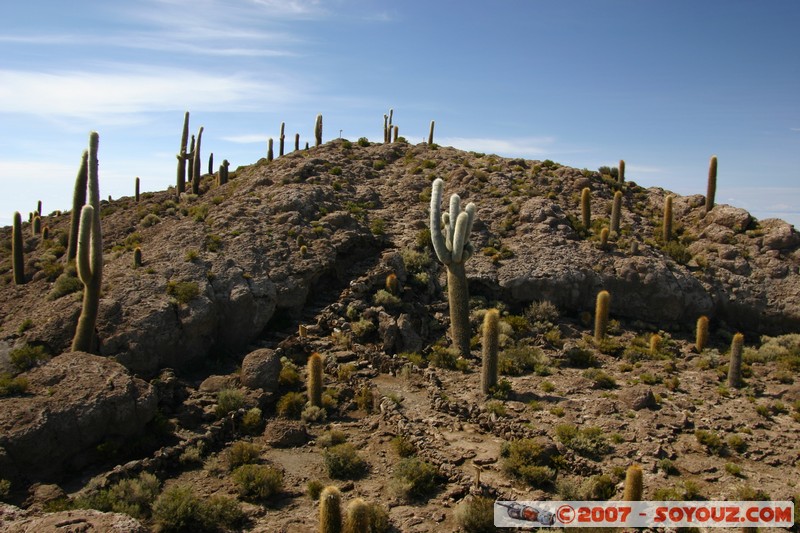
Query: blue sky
{"x": 661, "y": 84}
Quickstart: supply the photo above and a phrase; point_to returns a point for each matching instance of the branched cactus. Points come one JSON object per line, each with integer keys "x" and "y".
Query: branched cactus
{"x": 90, "y": 256}
{"x": 621, "y": 175}
{"x": 196, "y": 166}
{"x": 453, "y": 249}
{"x": 136, "y": 186}
{"x": 430, "y": 135}
{"x": 586, "y": 208}
{"x": 330, "y": 510}
{"x": 358, "y": 517}
{"x": 281, "y": 139}
{"x": 270, "y": 153}
{"x": 315, "y": 380}
{"x": 616, "y": 209}
{"x": 78, "y": 199}
{"x": 17, "y": 249}
{"x": 633, "y": 484}
{"x": 701, "y": 334}
{"x": 318, "y": 130}
{"x": 712, "y": 183}
{"x": 666, "y": 229}
{"x": 180, "y": 184}
{"x": 735, "y": 367}
{"x": 491, "y": 344}
{"x": 601, "y": 315}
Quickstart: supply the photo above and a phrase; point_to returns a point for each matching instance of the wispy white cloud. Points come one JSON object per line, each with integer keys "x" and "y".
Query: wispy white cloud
{"x": 515, "y": 147}
{"x": 794, "y": 129}
{"x": 251, "y": 138}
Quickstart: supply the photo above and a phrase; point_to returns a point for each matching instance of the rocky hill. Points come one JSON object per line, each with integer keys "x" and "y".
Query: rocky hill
{"x": 228, "y": 276}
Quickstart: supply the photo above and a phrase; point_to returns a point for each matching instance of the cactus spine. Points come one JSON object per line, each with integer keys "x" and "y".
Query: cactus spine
{"x": 136, "y": 189}
{"x": 735, "y": 367}
{"x": 137, "y": 257}
{"x": 491, "y": 343}
{"x": 430, "y": 134}
{"x": 330, "y": 510}
{"x": 616, "y": 209}
{"x": 318, "y": 130}
{"x": 17, "y": 245}
{"x": 667, "y": 226}
{"x": 180, "y": 184}
{"x": 270, "y": 153}
{"x": 358, "y": 517}
{"x": 712, "y": 183}
{"x": 90, "y": 256}
{"x": 633, "y": 484}
{"x": 197, "y": 171}
{"x": 78, "y": 199}
{"x": 453, "y": 249}
{"x": 315, "y": 379}
{"x": 586, "y": 208}
{"x": 621, "y": 175}
{"x": 601, "y": 315}
{"x": 701, "y": 335}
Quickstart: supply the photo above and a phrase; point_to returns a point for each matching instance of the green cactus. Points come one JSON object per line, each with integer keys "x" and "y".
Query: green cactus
{"x": 223, "y": 172}
{"x": 281, "y": 139}
{"x": 491, "y": 344}
{"x": 45, "y": 233}
{"x": 318, "y": 130}
{"x": 90, "y": 256}
{"x": 621, "y": 174}
{"x": 701, "y": 334}
{"x": 616, "y": 210}
{"x": 666, "y": 234}
{"x": 395, "y": 134}
{"x": 211, "y": 163}
{"x": 270, "y": 154}
{"x": 586, "y": 208}
{"x": 330, "y": 510}
{"x": 17, "y": 249}
{"x": 453, "y": 249}
{"x": 655, "y": 342}
{"x": 136, "y": 185}
{"x": 358, "y": 517}
{"x": 78, "y": 199}
{"x": 604, "y": 237}
{"x": 315, "y": 380}
{"x": 735, "y": 366}
{"x": 296, "y": 142}
{"x": 712, "y": 183}
{"x": 386, "y": 129}
{"x": 36, "y": 227}
{"x": 601, "y": 315}
{"x": 430, "y": 135}
{"x": 39, "y": 208}
{"x": 196, "y": 165}
{"x": 633, "y": 484}
{"x": 137, "y": 257}
{"x": 190, "y": 161}
{"x": 180, "y": 184}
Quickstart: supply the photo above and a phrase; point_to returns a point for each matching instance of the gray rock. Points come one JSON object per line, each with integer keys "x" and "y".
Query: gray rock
{"x": 261, "y": 369}
{"x": 281, "y": 433}
{"x": 16, "y": 520}
{"x": 638, "y": 397}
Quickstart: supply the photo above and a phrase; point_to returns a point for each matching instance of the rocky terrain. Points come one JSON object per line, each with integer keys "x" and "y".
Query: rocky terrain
{"x": 200, "y": 360}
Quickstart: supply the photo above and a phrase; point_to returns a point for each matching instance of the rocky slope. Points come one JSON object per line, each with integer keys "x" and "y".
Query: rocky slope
{"x": 310, "y": 238}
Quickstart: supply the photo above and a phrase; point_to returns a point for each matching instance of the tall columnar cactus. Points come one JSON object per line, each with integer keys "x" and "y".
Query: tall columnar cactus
{"x": 358, "y": 517}
{"x": 430, "y": 134}
{"x": 90, "y": 256}
{"x": 735, "y": 366}
{"x": 616, "y": 211}
{"x": 136, "y": 185}
{"x": 621, "y": 174}
{"x": 586, "y": 208}
{"x": 491, "y": 345}
{"x": 318, "y": 130}
{"x": 39, "y": 208}
{"x": 270, "y": 153}
{"x": 633, "y": 484}
{"x": 211, "y": 163}
{"x": 78, "y": 199}
{"x": 453, "y": 249}
{"x": 36, "y": 227}
{"x": 282, "y": 139}
{"x": 223, "y": 172}
{"x": 315, "y": 380}
{"x": 712, "y": 183}
{"x": 395, "y": 134}
{"x": 180, "y": 183}
{"x": 666, "y": 234}
{"x": 197, "y": 170}
{"x": 190, "y": 161}
{"x": 701, "y": 335}
{"x": 17, "y": 248}
{"x": 296, "y": 142}
{"x": 601, "y": 315}
{"x": 330, "y": 510}
{"x": 386, "y": 129}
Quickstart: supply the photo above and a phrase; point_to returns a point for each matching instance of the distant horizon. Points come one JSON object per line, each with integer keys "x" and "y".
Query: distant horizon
{"x": 661, "y": 85}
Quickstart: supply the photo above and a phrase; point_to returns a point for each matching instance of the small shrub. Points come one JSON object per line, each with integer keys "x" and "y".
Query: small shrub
{"x": 24, "y": 326}
{"x": 183, "y": 291}
{"x": 542, "y": 311}
{"x": 525, "y": 459}
{"x": 252, "y": 421}
{"x": 365, "y": 400}
{"x": 379, "y": 164}
{"x": 10, "y": 385}
{"x": 363, "y": 141}
{"x": 443, "y": 357}
{"x": 228, "y": 400}
{"x": 668, "y": 467}
{"x": 313, "y": 414}
{"x": 414, "y": 478}
{"x": 600, "y": 380}
{"x": 598, "y": 488}
{"x": 150, "y": 219}
{"x": 587, "y": 441}
{"x": 332, "y": 438}
{"x": 291, "y": 405}
{"x": 242, "y": 453}
{"x": 363, "y": 328}
{"x": 386, "y": 299}
{"x": 178, "y": 509}
{"x": 495, "y": 407}
{"x": 403, "y": 446}
{"x": 476, "y": 515}
{"x": 192, "y": 455}
{"x": 580, "y": 357}
{"x": 27, "y": 356}
{"x": 736, "y": 443}
{"x": 343, "y": 462}
{"x": 66, "y": 283}
{"x": 733, "y": 469}
{"x": 547, "y": 386}
{"x": 289, "y": 377}
{"x": 5, "y": 489}
{"x": 710, "y": 440}
{"x": 314, "y": 488}
{"x": 258, "y": 482}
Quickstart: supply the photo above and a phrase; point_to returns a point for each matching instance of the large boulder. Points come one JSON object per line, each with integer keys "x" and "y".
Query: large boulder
{"x": 73, "y": 403}
{"x": 261, "y": 370}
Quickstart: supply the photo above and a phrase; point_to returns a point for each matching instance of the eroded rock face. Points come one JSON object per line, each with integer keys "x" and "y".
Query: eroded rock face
{"x": 74, "y": 402}
{"x": 16, "y": 520}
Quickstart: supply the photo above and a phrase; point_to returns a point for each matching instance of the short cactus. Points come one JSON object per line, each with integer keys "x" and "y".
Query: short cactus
{"x": 17, "y": 248}
{"x": 180, "y": 183}
{"x": 666, "y": 229}
{"x": 330, "y": 510}
{"x": 701, "y": 335}
{"x": 430, "y": 134}
{"x": 270, "y": 153}
{"x": 712, "y": 183}
{"x": 196, "y": 166}
{"x": 616, "y": 210}
{"x": 604, "y": 237}
{"x": 137, "y": 257}
{"x": 621, "y": 174}
{"x": 281, "y": 139}
{"x": 601, "y": 315}
{"x": 655, "y": 342}
{"x": 45, "y": 233}
{"x": 735, "y": 366}
{"x": 318, "y": 130}
{"x": 491, "y": 344}
{"x": 315, "y": 380}
{"x": 586, "y": 208}
{"x": 453, "y": 249}
{"x": 393, "y": 284}
{"x": 78, "y": 199}
{"x": 395, "y": 134}
{"x": 633, "y": 484}
{"x": 223, "y": 172}
{"x": 358, "y": 517}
